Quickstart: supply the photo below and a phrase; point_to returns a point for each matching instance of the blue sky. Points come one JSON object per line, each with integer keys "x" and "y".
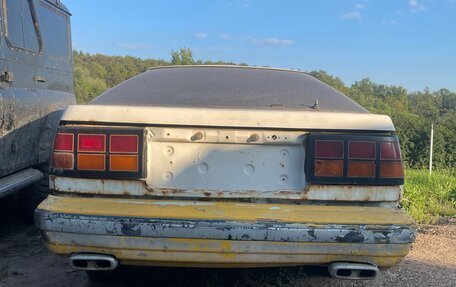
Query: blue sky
{"x": 411, "y": 43}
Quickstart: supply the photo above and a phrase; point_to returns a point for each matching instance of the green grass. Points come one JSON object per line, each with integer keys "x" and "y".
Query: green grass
{"x": 428, "y": 198}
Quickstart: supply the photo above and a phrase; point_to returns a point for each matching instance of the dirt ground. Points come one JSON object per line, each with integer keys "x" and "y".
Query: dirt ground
{"x": 24, "y": 261}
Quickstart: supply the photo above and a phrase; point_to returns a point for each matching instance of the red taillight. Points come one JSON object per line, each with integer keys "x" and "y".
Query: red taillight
{"x": 91, "y": 143}
{"x": 64, "y": 142}
{"x": 390, "y": 150}
{"x": 391, "y": 163}
{"x": 113, "y": 153}
{"x": 124, "y": 149}
{"x": 123, "y": 144}
{"x": 354, "y": 159}
{"x": 361, "y": 150}
{"x": 63, "y": 157}
{"x": 329, "y": 149}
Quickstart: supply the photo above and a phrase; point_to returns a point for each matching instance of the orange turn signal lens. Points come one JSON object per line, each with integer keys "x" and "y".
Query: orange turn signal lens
{"x": 361, "y": 169}
{"x": 62, "y": 161}
{"x": 123, "y": 163}
{"x": 391, "y": 169}
{"x": 91, "y": 162}
{"x": 329, "y": 168}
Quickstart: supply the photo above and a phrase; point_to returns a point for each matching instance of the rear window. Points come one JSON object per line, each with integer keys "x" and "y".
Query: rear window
{"x": 229, "y": 87}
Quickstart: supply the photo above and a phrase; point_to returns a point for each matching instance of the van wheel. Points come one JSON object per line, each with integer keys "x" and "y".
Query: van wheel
{"x": 30, "y": 197}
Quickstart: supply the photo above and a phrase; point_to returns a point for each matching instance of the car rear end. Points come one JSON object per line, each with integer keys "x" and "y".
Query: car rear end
{"x": 219, "y": 187}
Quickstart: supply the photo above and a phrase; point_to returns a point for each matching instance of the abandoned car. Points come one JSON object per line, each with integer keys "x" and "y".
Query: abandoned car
{"x": 226, "y": 166}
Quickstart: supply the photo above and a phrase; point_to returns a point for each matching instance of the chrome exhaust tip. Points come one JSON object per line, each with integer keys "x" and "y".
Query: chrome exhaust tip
{"x": 98, "y": 262}
{"x": 353, "y": 271}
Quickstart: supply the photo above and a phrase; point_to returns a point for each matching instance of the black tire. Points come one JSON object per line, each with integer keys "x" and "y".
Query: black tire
{"x": 30, "y": 197}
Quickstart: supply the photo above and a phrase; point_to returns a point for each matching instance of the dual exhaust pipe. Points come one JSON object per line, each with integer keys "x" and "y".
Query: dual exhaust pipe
{"x": 339, "y": 270}
{"x": 353, "y": 271}
{"x": 95, "y": 262}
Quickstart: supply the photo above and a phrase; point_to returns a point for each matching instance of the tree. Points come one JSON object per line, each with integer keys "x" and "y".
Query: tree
{"x": 184, "y": 56}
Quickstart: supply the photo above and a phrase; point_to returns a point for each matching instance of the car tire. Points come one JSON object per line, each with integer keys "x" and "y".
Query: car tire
{"x": 31, "y": 196}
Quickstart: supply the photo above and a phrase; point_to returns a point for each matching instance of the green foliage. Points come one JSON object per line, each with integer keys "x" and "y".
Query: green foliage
{"x": 427, "y": 198}
{"x": 182, "y": 57}
{"x": 86, "y": 86}
{"x": 412, "y": 113}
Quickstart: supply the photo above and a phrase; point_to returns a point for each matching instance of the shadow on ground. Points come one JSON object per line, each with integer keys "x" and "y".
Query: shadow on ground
{"x": 190, "y": 277}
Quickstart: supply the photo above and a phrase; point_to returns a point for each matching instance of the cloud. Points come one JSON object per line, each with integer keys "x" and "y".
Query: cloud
{"x": 351, "y": 16}
{"x": 272, "y": 42}
{"x": 134, "y": 46}
{"x": 416, "y": 7}
{"x": 360, "y": 6}
{"x": 225, "y": 36}
{"x": 246, "y": 4}
{"x": 201, "y": 35}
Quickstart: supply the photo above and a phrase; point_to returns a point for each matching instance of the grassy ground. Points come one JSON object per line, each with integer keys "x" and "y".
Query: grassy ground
{"x": 429, "y": 198}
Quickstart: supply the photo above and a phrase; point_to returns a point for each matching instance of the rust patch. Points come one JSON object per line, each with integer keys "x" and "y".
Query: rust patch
{"x": 311, "y": 192}
{"x": 52, "y": 178}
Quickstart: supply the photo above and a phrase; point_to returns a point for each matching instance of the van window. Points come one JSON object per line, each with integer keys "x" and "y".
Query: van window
{"x": 54, "y": 28}
{"x": 20, "y": 26}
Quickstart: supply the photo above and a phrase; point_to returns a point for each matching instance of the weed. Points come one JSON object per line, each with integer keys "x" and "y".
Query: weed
{"x": 427, "y": 198}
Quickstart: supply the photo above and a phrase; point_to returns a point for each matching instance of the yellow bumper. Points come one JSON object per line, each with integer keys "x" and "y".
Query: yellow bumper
{"x": 224, "y": 234}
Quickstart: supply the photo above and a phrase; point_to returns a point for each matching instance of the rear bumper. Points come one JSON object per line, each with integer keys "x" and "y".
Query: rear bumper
{"x": 184, "y": 233}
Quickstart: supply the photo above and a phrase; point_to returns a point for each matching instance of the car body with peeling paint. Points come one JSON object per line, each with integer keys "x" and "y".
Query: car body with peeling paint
{"x": 36, "y": 85}
{"x": 226, "y": 166}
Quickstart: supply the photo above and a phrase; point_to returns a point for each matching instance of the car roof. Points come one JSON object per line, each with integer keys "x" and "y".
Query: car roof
{"x": 228, "y": 87}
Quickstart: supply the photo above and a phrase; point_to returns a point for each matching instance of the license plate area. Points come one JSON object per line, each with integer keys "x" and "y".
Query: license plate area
{"x": 226, "y": 162}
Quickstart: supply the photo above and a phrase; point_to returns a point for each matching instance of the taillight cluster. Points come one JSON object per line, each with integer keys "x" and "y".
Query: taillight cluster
{"x": 353, "y": 159}
{"x": 97, "y": 152}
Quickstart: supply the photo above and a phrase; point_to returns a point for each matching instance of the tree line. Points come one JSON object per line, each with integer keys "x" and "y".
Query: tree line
{"x": 412, "y": 112}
